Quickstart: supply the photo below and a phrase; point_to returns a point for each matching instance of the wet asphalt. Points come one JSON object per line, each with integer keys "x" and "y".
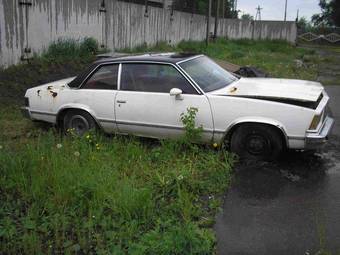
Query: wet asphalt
{"x": 288, "y": 207}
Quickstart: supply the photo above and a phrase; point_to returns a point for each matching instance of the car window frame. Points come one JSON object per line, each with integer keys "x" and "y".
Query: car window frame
{"x": 193, "y": 58}
{"x": 120, "y": 63}
{"x": 159, "y": 63}
{"x": 88, "y": 77}
{"x": 186, "y": 74}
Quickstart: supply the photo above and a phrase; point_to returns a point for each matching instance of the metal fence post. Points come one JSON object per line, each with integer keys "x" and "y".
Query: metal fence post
{"x": 27, "y": 51}
{"x": 102, "y": 11}
{"x": 208, "y": 24}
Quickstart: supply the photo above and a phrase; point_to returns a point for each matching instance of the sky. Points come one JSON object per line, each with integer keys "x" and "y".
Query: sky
{"x": 274, "y": 9}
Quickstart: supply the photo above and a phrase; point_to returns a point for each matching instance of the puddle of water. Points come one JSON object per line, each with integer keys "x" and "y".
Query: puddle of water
{"x": 290, "y": 176}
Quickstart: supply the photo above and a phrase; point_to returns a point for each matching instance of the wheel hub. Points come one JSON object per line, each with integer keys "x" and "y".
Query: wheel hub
{"x": 79, "y": 124}
{"x": 256, "y": 144}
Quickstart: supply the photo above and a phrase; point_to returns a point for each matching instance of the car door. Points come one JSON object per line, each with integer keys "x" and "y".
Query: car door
{"x": 145, "y": 107}
{"x": 98, "y": 93}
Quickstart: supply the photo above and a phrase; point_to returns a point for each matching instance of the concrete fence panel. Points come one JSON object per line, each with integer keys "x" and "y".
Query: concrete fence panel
{"x": 27, "y": 28}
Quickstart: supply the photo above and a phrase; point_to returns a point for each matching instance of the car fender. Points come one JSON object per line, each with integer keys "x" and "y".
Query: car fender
{"x": 255, "y": 119}
{"x": 78, "y": 106}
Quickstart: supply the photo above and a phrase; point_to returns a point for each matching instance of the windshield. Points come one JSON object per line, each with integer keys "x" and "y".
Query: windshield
{"x": 207, "y": 74}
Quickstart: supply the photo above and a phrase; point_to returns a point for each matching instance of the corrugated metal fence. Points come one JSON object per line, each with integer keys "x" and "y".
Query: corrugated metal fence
{"x": 28, "y": 26}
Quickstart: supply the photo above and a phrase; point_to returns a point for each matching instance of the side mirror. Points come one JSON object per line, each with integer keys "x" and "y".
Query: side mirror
{"x": 177, "y": 93}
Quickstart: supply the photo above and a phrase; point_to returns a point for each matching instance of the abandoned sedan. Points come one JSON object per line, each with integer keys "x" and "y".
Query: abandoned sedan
{"x": 144, "y": 95}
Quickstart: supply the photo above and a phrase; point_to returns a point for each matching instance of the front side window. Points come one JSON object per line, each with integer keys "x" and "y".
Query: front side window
{"x": 105, "y": 77}
{"x": 207, "y": 74}
{"x": 153, "y": 78}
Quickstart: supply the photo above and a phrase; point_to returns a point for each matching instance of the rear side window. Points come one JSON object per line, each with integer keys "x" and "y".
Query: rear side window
{"x": 153, "y": 78}
{"x": 105, "y": 77}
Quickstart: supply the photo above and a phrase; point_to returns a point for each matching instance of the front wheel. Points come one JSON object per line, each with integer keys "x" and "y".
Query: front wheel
{"x": 79, "y": 121}
{"x": 256, "y": 141}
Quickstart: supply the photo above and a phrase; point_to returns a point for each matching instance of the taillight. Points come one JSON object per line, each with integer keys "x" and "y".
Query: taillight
{"x": 27, "y": 102}
{"x": 315, "y": 122}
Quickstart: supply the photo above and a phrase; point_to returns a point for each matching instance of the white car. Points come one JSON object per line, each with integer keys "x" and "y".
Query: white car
{"x": 144, "y": 95}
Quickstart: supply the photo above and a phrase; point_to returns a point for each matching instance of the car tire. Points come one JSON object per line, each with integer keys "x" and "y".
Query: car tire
{"x": 256, "y": 142}
{"x": 79, "y": 121}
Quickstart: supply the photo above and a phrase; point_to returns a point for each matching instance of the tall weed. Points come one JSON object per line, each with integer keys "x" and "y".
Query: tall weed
{"x": 71, "y": 48}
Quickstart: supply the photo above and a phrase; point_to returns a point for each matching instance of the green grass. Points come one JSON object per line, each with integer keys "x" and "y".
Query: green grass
{"x": 274, "y": 57}
{"x": 107, "y": 195}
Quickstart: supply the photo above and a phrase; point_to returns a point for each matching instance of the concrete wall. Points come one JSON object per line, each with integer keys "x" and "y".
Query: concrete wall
{"x": 238, "y": 29}
{"x": 122, "y": 25}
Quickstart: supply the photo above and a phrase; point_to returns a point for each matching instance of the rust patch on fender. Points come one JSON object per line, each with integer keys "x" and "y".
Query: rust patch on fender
{"x": 54, "y": 94}
{"x": 233, "y": 89}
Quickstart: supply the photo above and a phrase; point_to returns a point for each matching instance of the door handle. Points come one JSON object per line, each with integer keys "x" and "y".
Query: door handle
{"x": 121, "y": 101}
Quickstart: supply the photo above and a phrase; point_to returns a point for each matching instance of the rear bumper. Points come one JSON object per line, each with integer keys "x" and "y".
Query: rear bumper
{"x": 317, "y": 139}
{"x": 26, "y": 112}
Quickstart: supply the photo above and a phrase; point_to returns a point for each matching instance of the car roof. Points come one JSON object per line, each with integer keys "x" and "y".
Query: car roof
{"x": 170, "y": 57}
{"x": 165, "y": 58}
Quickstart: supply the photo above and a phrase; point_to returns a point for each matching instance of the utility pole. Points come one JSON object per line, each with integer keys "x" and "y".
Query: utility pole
{"x": 258, "y": 13}
{"x": 257, "y": 17}
{"x": 208, "y": 22}
{"x": 285, "y": 11}
{"x": 297, "y": 16}
{"x": 216, "y": 18}
{"x": 223, "y": 17}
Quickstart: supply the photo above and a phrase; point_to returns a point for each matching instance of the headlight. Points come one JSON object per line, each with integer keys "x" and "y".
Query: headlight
{"x": 315, "y": 122}
{"x": 27, "y": 102}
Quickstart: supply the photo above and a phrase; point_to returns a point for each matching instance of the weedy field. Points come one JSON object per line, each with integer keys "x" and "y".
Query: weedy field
{"x": 112, "y": 194}
{"x": 116, "y": 195}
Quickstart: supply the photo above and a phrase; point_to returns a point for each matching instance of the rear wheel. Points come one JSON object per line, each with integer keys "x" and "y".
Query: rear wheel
{"x": 256, "y": 141}
{"x": 78, "y": 121}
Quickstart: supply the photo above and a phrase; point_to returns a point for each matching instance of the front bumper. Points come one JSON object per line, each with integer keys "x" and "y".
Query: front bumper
{"x": 317, "y": 139}
{"x": 26, "y": 112}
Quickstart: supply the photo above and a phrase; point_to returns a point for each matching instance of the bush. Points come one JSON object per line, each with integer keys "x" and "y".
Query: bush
{"x": 89, "y": 46}
{"x": 70, "y": 48}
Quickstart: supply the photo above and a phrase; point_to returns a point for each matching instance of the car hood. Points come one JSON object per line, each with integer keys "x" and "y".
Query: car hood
{"x": 297, "y": 90}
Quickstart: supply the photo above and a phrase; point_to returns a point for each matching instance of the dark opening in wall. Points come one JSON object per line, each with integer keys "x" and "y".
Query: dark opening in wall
{"x": 154, "y": 3}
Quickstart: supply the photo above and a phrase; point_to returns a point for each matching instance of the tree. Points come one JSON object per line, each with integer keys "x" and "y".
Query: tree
{"x": 247, "y": 16}
{"x": 303, "y": 24}
{"x": 330, "y": 13}
{"x": 229, "y": 11}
